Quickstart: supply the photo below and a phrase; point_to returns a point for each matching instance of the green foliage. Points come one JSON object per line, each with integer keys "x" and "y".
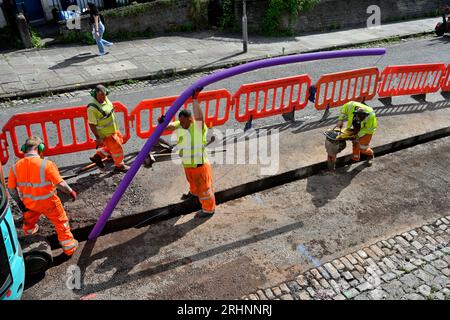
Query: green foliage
{"x": 137, "y": 8}
{"x": 78, "y": 37}
{"x": 275, "y": 11}
{"x": 228, "y": 20}
{"x": 36, "y": 39}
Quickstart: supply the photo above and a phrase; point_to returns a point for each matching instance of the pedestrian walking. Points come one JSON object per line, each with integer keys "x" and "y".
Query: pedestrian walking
{"x": 98, "y": 29}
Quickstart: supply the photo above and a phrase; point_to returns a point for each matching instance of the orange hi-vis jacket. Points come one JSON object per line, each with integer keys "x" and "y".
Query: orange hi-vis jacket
{"x": 35, "y": 179}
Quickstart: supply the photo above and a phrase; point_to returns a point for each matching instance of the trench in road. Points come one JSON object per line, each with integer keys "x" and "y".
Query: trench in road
{"x": 164, "y": 213}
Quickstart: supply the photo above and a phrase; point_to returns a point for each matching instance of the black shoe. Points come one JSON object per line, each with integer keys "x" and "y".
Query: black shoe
{"x": 187, "y": 196}
{"x": 98, "y": 161}
{"x": 122, "y": 169}
{"x": 203, "y": 214}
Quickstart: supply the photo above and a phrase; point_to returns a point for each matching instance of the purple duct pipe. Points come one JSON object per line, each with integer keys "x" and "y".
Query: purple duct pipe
{"x": 200, "y": 84}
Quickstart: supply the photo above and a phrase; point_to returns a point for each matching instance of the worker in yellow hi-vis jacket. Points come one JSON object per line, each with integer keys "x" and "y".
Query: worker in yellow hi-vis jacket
{"x": 362, "y": 121}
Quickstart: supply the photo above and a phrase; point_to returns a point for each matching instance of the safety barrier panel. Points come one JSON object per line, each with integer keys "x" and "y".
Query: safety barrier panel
{"x": 445, "y": 86}
{"x": 254, "y": 100}
{"x": 145, "y": 116}
{"x": 4, "y": 154}
{"x": 268, "y": 98}
{"x": 335, "y": 89}
{"x": 49, "y": 125}
{"x": 411, "y": 79}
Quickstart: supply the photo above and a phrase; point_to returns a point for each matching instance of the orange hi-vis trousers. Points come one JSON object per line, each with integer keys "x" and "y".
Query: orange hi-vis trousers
{"x": 200, "y": 185}
{"x": 54, "y": 211}
{"x": 112, "y": 146}
{"x": 361, "y": 145}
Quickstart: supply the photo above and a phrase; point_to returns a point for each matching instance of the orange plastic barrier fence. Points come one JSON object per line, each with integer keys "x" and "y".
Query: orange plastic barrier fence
{"x": 445, "y": 86}
{"x": 335, "y": 89}
{"x": 4, "y": 154}
{"x": 145, "y": 116}
{"x": 268, "y": 98}
{"x": 49, "y": 126}
{"x": 411, "y": 79}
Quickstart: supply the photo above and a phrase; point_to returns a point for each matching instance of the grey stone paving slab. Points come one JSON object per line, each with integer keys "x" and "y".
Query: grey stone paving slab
{"x": 187, "y": 52}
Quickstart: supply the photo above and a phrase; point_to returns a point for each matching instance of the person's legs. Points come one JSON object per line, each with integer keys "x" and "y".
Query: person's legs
{"x": 356, "y": 150}
{"x": 30, "y": 219}
{"x": 56, "y": 214}
{"x": 114, "y": 145}
{"x": 101, "y": 30}
{"x": 364, "y": 142}
{"x": 101, "y": 48}
{"x": 190, "y": 179}
{"x": 205, "y": 190}
{"x": 107, "y": 43}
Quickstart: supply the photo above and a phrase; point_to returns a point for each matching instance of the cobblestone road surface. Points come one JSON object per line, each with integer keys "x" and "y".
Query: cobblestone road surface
{"x": 414, "y": 265}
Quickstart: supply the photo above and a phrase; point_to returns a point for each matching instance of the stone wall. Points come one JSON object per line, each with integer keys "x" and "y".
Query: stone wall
{"x": 163, "y": 16}
{"x": 156, "y": 17}
{"x": 337, "y": 14}
{"x": 2, "y": 16}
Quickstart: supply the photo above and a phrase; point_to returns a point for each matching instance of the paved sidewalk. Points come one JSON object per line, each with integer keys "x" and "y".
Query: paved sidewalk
{"x": 414, "y": 266}
{"x": 34, "y": 72}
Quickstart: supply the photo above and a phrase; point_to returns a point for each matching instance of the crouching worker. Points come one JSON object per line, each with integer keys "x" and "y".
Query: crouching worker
{"x": 362, "y": 122}
{"x": 103, "y": 123}
{"x": 32, "y": 183}
{"x": 191, "y": 139}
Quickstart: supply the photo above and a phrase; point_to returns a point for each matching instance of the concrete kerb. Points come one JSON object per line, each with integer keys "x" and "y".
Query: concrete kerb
{"x": 167, "y": 73}
{"x": 186, "y": 207}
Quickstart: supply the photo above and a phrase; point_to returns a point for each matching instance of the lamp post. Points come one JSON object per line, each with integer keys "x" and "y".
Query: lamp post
{"x": 244, "y": 25}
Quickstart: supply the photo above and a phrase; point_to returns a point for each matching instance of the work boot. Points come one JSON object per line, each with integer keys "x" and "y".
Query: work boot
{"x": 187, "y": 196}
{"x": 203, "y": 214}
{"x": 370, "y": 160}
{"x": 72, "y": 251}
{"x": 98, "y": 161}
{"x": 34, "y": 231}
{"x": 122, "y": 169}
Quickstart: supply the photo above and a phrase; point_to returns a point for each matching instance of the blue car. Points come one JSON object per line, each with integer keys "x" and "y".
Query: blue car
{"x": 12, "y": 265}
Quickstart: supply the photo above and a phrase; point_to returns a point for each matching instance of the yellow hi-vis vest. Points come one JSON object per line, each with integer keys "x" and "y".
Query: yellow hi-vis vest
{"x": 368, "y": 125}
{"x": 192, "y": 144}
{"x": 103, "y": 117}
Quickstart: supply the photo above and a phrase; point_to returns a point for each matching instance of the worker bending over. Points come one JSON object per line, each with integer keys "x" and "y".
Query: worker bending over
{"x": 361, "y": 120}
{"x": 32, "y": 184}
{"x": 191, "y": 140}
{"x": 103, "y": 123}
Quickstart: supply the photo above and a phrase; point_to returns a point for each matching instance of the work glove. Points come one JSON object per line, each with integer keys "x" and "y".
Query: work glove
{"x": 98, "y": 143}
{"x": 161, "y": 119}
{"x": 73, "y": 195}
{"x": 196, "y": 92}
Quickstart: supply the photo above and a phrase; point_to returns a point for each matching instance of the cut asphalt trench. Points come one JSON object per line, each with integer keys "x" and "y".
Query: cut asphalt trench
{"x": 252, "y": 242}
{"x": 154, "y": 194}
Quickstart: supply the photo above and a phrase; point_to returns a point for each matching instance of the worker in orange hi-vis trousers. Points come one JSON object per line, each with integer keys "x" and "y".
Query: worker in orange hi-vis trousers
{"x": 362, "y": 121}
{"x": 32, "y": 183}
{"x": 103, "y": 124}
{"x": 191, "y": 139}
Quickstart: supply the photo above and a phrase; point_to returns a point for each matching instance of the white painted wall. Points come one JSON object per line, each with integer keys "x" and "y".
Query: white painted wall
{"x": 2, "y": 17}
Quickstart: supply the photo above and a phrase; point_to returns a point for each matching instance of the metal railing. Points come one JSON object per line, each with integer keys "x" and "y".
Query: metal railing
{"x": 62, "y": 5}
